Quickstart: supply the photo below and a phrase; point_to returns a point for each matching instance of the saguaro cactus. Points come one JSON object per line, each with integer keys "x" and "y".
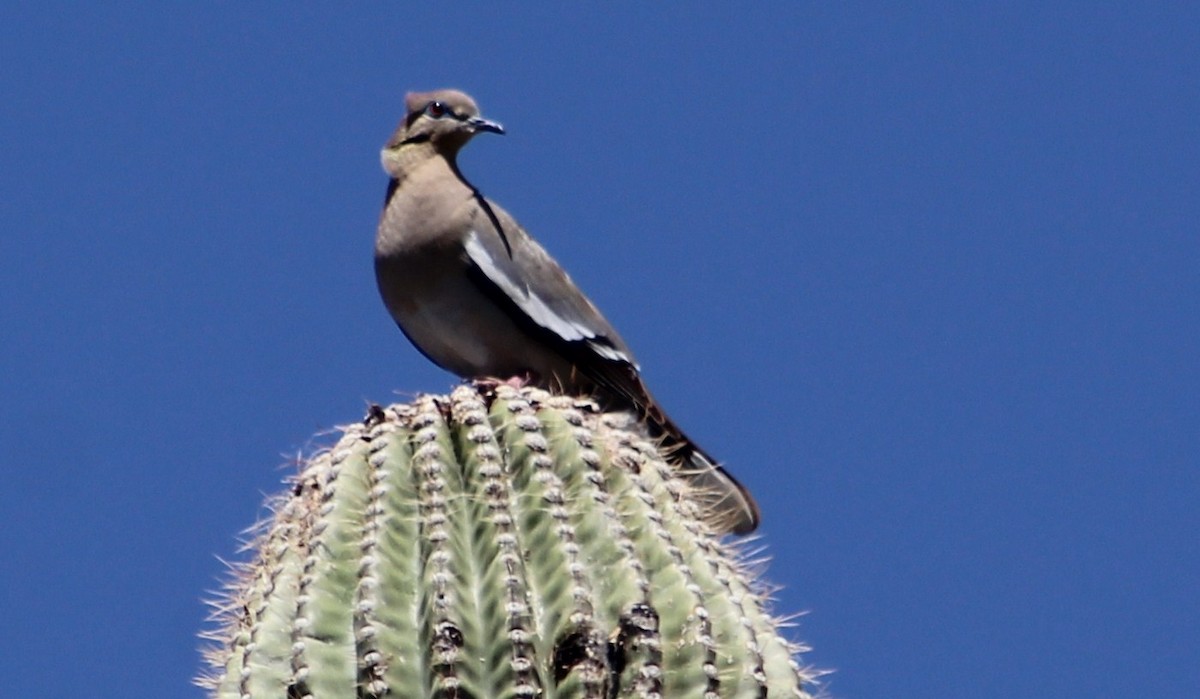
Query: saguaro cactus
{"x": 495, "y": 543}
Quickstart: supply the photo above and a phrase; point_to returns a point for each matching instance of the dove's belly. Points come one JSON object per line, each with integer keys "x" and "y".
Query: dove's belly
{"x": 460, "y": 329}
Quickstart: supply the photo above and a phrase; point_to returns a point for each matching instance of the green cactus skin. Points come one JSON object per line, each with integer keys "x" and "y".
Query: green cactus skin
{"x": 494, "y": 543}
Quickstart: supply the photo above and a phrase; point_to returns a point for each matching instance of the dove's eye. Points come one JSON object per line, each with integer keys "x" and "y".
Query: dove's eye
{"x": 437, "y": 110}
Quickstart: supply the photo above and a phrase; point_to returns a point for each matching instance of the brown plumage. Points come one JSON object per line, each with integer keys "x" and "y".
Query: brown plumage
{"x": 479, "y": 297}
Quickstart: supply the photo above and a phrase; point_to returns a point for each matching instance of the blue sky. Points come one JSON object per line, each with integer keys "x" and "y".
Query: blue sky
{"x": 926, "y": 278}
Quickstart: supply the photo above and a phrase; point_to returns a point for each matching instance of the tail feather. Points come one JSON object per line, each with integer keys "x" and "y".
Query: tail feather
{"x": 731, "y": 506}
{"x": 732, "y": 509}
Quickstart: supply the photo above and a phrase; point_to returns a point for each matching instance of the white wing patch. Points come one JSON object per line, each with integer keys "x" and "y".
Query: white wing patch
{"x": 534, "y": 306}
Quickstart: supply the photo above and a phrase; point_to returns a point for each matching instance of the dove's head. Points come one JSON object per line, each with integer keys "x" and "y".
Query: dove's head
{"x": 443, "y": 119}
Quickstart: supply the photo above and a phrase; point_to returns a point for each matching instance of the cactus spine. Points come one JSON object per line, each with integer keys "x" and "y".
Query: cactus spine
{"x": 494, "y": 544}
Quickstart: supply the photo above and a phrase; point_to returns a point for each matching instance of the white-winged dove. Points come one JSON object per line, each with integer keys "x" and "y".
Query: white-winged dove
{"x": 478, "y": 296}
